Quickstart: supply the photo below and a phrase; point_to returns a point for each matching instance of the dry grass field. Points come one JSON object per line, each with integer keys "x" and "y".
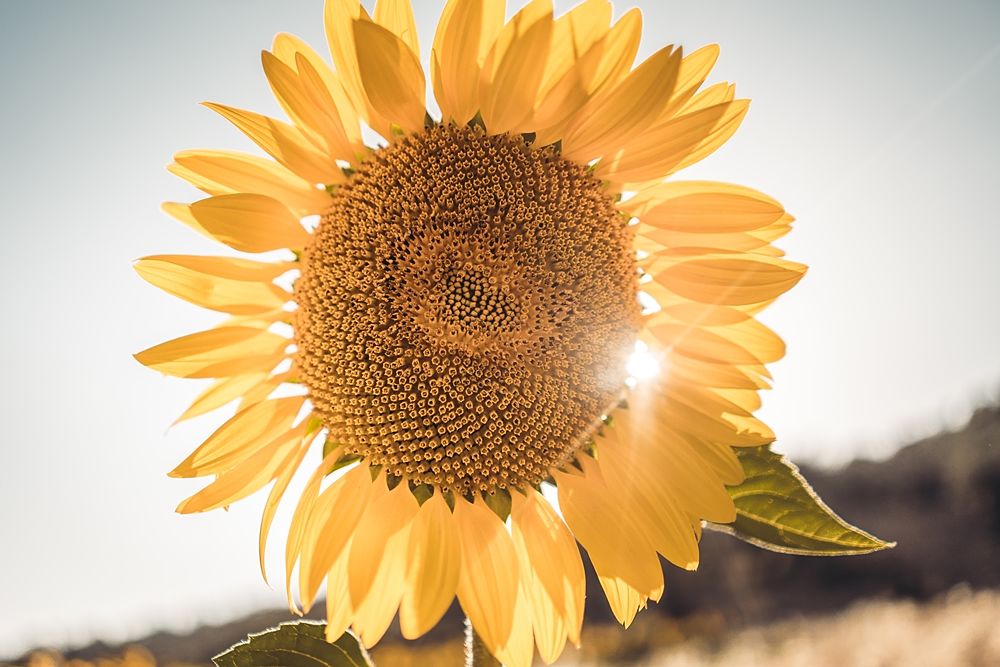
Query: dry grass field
{"x": 959, "y": 629}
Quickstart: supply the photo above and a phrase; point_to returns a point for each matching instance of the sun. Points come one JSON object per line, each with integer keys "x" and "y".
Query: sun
{"x": 514, "y": 297}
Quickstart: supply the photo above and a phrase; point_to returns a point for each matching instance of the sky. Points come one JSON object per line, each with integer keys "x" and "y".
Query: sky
{"x": 874, "y": 124}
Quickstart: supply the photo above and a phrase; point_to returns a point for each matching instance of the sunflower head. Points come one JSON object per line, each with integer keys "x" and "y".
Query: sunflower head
{"x": 466, "y": 308}
{"x": 463, "y": 315}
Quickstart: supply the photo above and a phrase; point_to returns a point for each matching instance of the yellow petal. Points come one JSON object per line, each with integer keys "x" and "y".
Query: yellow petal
{"x": 434, "y": 560}
{"x": 391, "y": 75}
{"x": 730, "y": 280}
{"x": 210, "y": 290}
{"x": 700, "y": 343}
{"x": 488, "y": 583}
{"x": 756, "y": 338}
{"x": 331, "y": 524}
{"x": 512, "y": 73}
{"x": 720, "y": 457}
{"x": 288, "y": 470}
{"x": 574, "y": 33}
{"x": 704, "y": 314}
{"x": 601, "y": 67}
{"x": 731, "y": 242}
{"x": 466, "y": 31}
{"x": 264, "y": 389}
{"x": 182, "y": 212}
{"x": 380, "y": 562}
{"x": 694, "y": 70}
{"x": 662, "y": 149}
{"x": 250, "y": 223}
{"x": 339, "y": 611}
{"x": 751, "y": 427}
{"x": 396, "y": 16}
{"x": 290, "y": 49}
{"x": 230, "y": 268}
{"x": 246, "y": 433}
{"x": 616, "y": 545}
{"x": 305, "y": 98}
{"x": 218, "y": 352}
{"x": 692, "y": 371}
{"x": 557, "y": 105}
{"x": 625, "y": 601}
{"x": 543, "y": 542}
{"x": 245, "y": 477}
{"x": 714, "y": 427}
{"x": 715, "y": 94}
{"x": 388, "y": 514}
{"x": 547, "y": 624}
{"x": 284, "y": 143}
{"x": 219, "y": 393}
{"x": 654, "y": 507}
{"x": 300, "y": 520}
{"x": 642, "y": 450}
{"x": 519, "y": 649}
{"x": 229, "y": 172}
{"x": 339, "y": 17}
{"x": 619, "y": 49}
{"x": 703, "y": 207}
{"x": 610, "y": 119}
{"x": 720, "y": 133}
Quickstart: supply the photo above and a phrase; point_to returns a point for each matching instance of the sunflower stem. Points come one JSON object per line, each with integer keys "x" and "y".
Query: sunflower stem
{"x": 476, "y": 653}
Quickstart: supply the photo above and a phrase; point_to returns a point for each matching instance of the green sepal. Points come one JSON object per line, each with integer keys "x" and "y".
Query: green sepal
{"x": 776, "y": 509}
{"x": 422, "y": 492}
{"x": 500, "y": 502}
{"x": 298, "y": 644}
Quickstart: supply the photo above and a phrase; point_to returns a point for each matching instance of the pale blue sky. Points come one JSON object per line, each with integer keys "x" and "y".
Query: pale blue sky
{"x": 874, "y": 123}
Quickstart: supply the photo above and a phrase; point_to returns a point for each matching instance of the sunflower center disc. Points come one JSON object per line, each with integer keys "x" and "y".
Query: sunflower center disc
{"x": 466, "y": 310}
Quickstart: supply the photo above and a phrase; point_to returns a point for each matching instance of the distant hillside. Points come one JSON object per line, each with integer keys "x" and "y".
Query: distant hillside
{"x": 938, "y": 498}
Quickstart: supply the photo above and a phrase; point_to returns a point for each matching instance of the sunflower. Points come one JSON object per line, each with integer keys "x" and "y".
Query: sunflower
{"x": 455, "y": 317}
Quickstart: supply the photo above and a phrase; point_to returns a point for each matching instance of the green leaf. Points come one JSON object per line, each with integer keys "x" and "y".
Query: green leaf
{"x": 776, "y": 509}
{"x": 299, "y": 644}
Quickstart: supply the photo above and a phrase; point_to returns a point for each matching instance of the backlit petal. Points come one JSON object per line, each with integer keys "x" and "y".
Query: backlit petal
{"x": 377, "y": 564}
{"x": 391, "y": 75}
{"x": 230, "y": 172}
{"x": 210, "y": 290}
{"x": 251, "y": 223}
{"x": 729, "y": 280}
{"x": 218, "y": 352}
{"x": 247, "y": 476}
{"x": 219, "y": 393}
{"x": 544, "y": 542}
{"x": 284, "y": 143}
{"x": 289, "y": 468}
{"x": 519, "y": 649}
{"x": 616, "y": 545}
{"x": 330, "y": 526}
{"x": 306, "y": 99}
{"x": 290, "y": 49}
{"x": 488, "y": 584}
{"x": 513, "y": 70}
{"x": 611, "y": 118}
{"x": 243, "y": 435}
{"x": 465, "y": 33}
{"x": 396, "y": 16}
{"x": 666, "y": 147}
{"x": 339, "y": 17}
{"x": 433, "y": 563}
